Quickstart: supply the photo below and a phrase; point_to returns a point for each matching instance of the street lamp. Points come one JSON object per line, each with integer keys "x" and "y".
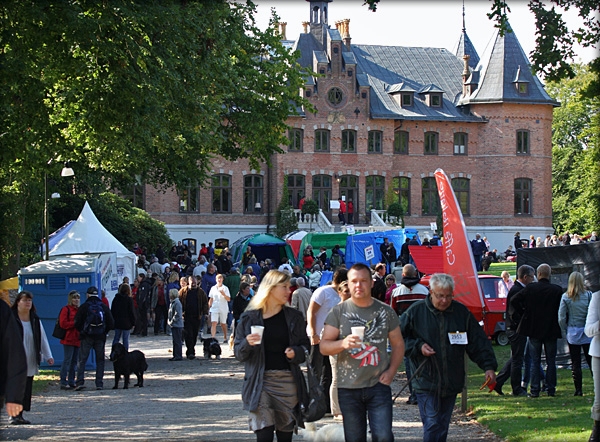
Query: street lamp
{"x": 65, "y": 172}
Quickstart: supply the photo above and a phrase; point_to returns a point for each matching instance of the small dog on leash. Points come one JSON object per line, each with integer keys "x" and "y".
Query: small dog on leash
{"x": 211, "y": 348}
{"x": 127, "y": 362}
{"x": 327, "y": 433}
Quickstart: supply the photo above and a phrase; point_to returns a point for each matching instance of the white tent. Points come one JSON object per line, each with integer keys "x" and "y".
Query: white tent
{"x": 88, "y": 236}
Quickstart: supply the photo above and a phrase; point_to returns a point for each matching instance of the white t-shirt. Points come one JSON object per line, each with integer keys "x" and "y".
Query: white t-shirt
{"x": 327, "y": 297}
{"x": 219, "y": 303}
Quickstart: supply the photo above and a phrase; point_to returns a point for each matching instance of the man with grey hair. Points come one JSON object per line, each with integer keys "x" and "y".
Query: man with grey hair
{"x": 539, "y": 302}
{"x": 301, "y": 297}
{"x": 443, "y": 374}
{"x": 514, "y": 366}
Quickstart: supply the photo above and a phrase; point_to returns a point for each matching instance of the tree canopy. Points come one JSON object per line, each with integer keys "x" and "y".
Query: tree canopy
{"x": 133, "y": 90}
{"x": 575, "y": 154}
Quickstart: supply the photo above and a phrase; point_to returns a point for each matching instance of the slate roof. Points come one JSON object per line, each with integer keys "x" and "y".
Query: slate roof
{"x": 382, "y": 67}
{"x": 465, "y": 47}
{"x": 503, "y": 62}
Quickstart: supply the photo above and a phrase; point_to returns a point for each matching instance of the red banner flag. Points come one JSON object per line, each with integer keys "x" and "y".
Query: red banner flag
{"x": 457, "y": 253}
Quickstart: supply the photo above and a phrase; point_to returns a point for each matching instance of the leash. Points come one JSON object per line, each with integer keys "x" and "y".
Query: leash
{"x": 419, "y": 368}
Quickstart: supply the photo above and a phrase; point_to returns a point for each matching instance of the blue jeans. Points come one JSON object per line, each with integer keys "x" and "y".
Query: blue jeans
{"x": 535, "y": 347}
{"x": 435, "y": 414}
{"x": 67, "y": 369}
{"x": 527, "y": 368}
{"x": 357, "y": 403}
{"x": 125, "y": 334}
{"x": 87, "y": 344}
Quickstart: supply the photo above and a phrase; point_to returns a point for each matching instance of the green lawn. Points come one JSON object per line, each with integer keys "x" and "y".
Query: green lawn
{"x": 498, "y": 267}
{"x": 563, "y": 418}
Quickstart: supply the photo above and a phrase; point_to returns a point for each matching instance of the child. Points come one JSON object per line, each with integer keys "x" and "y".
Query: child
{"x": 176, "y": 323}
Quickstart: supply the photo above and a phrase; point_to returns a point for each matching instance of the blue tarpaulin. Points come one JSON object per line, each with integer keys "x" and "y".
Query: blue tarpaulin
{"x": 357, "y": 244}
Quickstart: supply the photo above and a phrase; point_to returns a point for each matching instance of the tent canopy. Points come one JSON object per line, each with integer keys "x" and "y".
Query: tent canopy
{"x": 264, "y": 245}
{"x": 88, "y": 236}
{"x": 327, "y": 240}
{"x": 356, "y": 244}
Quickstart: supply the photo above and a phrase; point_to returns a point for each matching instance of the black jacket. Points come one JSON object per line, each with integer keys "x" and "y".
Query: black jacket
{"x": 513, "y": 315}
{"x": 81, "y": 316}
{"x": 123, "y": 312}
{"x": 13, "y": 365}
{"x": 539, "y": 302}
{"x": 254, "y": 356}
{"x": 444, "y": 372}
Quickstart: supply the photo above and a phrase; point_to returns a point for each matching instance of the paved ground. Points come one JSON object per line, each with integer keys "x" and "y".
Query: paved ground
{"x": 189, "y": 400}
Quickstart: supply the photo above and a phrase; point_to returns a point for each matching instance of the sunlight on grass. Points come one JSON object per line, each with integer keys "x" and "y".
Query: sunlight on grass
{"x": 561, "y": 418}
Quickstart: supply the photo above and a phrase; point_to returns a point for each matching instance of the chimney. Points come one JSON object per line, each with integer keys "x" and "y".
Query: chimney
{"x": 346, "y": 33}
{"x": 282, "y": 30}
{"x": 338, "y": 26}
{"x": 305, "y": 26}
{"x": 466, "y": 74}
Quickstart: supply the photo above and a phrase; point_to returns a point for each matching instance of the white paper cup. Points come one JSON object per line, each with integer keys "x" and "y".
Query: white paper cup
{"x": 258, "y": 329}
{"x": 358, "y": 331}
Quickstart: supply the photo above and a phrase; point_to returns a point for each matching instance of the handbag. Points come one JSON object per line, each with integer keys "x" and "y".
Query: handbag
{"x": 59, "y": 332}
{"x": 317, "y": 403}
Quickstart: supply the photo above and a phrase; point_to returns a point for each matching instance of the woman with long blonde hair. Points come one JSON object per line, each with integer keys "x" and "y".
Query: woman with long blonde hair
{"x": 572, "y": 314}
{"x": 274, "y": 385}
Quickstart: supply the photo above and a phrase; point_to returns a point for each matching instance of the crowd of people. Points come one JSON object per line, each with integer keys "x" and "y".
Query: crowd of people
{"x": 355, "y": 329}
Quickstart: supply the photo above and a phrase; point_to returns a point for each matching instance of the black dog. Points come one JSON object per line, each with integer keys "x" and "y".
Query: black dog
{"x": 126, "y": 363}
{"x": 211, "y": 348}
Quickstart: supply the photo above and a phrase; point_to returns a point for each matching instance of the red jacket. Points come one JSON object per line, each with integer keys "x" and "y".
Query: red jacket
{"x": 67, "y": 321}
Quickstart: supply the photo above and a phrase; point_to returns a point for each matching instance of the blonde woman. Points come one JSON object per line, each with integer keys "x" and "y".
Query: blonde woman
{"x": 505, "y": 284}
{"x": 274, "y": 385}
{"x": 572, "y": 314}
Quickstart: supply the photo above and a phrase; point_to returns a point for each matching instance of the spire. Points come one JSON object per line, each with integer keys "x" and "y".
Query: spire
{"x": 465, "y": 47}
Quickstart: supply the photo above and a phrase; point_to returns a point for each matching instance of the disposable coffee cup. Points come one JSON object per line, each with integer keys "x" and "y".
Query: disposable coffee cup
{"x": 358, "y": 331}
{"x": 258, "y": 329}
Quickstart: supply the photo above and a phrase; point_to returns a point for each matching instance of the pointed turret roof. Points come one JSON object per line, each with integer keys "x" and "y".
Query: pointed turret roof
{"x": 503, "y": 64}
{"x": 465, "y": 47}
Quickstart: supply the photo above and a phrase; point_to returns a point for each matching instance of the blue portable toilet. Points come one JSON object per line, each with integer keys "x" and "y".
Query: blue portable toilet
{"x": 50, "y": 282}
{"x": 357, "y": 246}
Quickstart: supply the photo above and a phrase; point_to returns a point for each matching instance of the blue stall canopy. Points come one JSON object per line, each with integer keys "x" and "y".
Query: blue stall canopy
{"x": 363, "y": 245}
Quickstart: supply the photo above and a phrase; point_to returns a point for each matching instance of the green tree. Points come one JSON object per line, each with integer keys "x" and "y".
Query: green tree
{"x": 576, "y": 154}
{"x": 285, "y": 218}
{"x": 130, "y": 89}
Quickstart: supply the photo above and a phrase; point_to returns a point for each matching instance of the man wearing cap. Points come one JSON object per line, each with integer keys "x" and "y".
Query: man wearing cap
{"x": 89, "y": 341}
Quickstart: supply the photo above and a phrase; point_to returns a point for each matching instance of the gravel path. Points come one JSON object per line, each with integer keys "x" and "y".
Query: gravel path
{"x": 188, "y": 400}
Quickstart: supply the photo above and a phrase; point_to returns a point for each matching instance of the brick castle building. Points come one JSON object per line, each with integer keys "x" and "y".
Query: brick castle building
{"x": 386, "y": 118}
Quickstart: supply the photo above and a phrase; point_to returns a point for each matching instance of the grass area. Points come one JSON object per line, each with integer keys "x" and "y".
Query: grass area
{"x": 564, "y": 418}
{"x": 496, "y": 268}
{"x": 41, "y": 381}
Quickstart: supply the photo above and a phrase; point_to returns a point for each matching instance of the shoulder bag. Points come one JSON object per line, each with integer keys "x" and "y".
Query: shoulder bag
{"x": 59, "y": 332}
{"x": 317, "y": 403}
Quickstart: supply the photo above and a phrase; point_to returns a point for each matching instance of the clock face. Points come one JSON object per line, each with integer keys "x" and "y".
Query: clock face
{"x": 335, "y": 96}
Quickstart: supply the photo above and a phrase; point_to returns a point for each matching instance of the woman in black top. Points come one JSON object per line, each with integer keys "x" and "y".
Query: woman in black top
{"x": 273, "y": 383}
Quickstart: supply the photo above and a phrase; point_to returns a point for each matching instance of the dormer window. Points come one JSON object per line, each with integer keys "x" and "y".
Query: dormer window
{"x": 435, "y": 100}
{"x": 407, "y": 100}
{"x": 433, "y": 95}
{"x": 521, "y": 84}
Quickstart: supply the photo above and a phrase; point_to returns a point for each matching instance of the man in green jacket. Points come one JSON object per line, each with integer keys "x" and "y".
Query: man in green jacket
{"x": 438, "y": 332}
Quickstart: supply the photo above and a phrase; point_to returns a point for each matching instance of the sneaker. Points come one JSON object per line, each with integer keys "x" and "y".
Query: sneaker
{"x": 79, "y": 387}
{"x": 99, "y": 388}
{"x": 65, "y": 387}
{"x": 190, "y": 357}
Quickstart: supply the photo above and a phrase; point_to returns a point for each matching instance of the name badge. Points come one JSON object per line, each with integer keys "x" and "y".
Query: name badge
{"x": 458, "y": 338}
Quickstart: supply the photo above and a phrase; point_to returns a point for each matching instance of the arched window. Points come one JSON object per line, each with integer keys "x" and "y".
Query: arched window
{"x": 430, "y": 201}
{"x": 221, "y": 193}
{"x": 296, "y": 140}
{"x": 460, "y": 143}
{"x": 375, "y": 141}
{"x": 431, "y": 143}
{"x": 375, "y": 192}
{"x": 253, "y": 193}
{"x": 401, "y": 142}
{"x": 401, "y": 186}
{"x": 461, "y": 187}
{"x": 189, "y": 199}
{"x": 296, "y": 189}
{"x": 321, "y": 140}
{"x": 523, "y": 142}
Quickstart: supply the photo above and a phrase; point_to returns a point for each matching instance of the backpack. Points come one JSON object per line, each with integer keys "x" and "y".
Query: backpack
{"x": 94, "y": 322}
{"x": 336, "y": 260}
